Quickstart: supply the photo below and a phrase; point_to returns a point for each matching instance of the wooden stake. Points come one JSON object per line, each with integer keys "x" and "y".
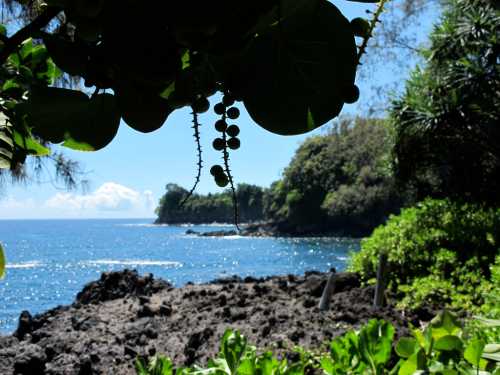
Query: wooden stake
{"x": 324, "y": 303}
{"x": 378, "y": 300}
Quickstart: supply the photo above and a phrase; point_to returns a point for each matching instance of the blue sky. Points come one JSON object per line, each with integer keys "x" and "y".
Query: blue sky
{"x": 129, "y": 176}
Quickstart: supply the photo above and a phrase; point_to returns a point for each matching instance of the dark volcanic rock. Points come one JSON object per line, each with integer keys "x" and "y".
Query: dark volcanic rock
{"x": 124, "y": 315}
{"x": 30, "y": 360}
{"x": 25, "y": 325}
{"x": 113, "y": 285}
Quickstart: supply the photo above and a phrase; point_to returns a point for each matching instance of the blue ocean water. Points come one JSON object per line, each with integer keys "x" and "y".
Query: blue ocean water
{"x": 49, "y": 261}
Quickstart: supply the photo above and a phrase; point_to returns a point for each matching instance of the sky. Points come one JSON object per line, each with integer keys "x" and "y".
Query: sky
{"x": 127, "y": 178}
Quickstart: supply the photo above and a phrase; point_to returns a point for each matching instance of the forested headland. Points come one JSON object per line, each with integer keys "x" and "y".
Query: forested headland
{"x": 339, "y": 183}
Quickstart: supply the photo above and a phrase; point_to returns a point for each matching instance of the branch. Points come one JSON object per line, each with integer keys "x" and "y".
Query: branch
{"x": 27, "y": 31}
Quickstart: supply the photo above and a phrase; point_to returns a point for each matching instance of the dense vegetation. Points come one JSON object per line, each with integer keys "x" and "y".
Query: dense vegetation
{"x": 441, "y": 348}
{"x": 173, "y": 208}
{"x": 439, "y": 253}
{"x": 447, "y": 122}
{"x": 446, "y": 146}
{"x": 340, "y": 183}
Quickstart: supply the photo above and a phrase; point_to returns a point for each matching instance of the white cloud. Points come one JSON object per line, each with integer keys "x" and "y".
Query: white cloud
{"x": 110, "y": 200}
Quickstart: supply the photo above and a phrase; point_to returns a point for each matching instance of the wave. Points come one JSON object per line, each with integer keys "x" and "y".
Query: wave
{"x": 136, "y": 262}
{"x": 29, "y": 264}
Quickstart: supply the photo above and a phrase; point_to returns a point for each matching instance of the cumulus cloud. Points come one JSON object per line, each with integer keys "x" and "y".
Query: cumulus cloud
{"x": 109, "y": 197}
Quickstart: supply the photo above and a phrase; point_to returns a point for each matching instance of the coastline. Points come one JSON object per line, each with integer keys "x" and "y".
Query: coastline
{"x": 123, "y": 315}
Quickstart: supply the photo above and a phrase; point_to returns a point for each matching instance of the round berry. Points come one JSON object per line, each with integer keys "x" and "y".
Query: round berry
{"x": 216, "y": 170}
{"x": 351, "y": 95}
{"x": 218, "y": 144}
{"x": 221, "y": 180}
{"x": 233, "y": 131}
{"x": 228, "y": 100}
{"x": 219, "y": 108}
{"x": 220, "y": 125}
{"x": 233, "y": 113}
{"x": 201, "y": 105}
{"x": 233, "y": 143}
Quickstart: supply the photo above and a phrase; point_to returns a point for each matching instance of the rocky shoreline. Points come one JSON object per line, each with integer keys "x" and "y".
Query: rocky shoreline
{"x": 123, "y": 315}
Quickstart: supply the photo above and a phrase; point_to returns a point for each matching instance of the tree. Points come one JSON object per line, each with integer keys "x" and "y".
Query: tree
{"x": 174, "y": 208}
{"x": 447, "y": 121}
{"x": 339, "y": 183}
{"x": 144, "y": 61}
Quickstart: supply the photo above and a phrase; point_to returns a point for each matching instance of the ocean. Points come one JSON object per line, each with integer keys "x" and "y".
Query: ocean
{"x": 49, "y": 261}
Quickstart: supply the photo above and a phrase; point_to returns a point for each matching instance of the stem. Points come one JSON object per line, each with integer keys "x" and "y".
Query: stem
{"x": 196, "y": 127}
{"x": 12, "y": 43}
{"x": 373, "y": 24}
{"x": 225, "y": 154}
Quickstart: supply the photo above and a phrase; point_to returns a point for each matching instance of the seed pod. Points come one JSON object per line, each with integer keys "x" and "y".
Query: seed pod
{"x": 221, "y": 180}
{"x": 220, "y": 125}
{"x": 216, "y": 170}
{"x": 219, "y": 108}
{"x": 233, "y": 113}
{"x": 233, "y": 143}
{"x": 218, "y": 144}
{"x": 201, "y": 105}
{"x": 228, "y": 100}
{"x": 351, "y": 94}
{"x": 233, "y": 131}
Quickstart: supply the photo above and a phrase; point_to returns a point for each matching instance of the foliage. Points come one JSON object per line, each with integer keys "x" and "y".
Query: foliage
{"x": 439, "y": 252}
{"x": 440, "y": 348}
{"x": 340, "y": 182}
{"x": 446, "y": 123}
{"x": 158, "y": 57}
{"x": 2, "y": 262}
{"x": 210, "y": 208}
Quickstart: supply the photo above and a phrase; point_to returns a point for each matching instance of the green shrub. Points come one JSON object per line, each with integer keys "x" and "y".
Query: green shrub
{"x": 439, "y": 252}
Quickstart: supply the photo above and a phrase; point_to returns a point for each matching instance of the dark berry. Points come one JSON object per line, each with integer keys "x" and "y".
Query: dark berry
{"x": 228, "y": 100}
{"x": 233, "y": 131}
{"x": 219, "y": 108}
{"x": 233, "y": 113}
{"x": 351, "y": 94}
{"x": 216, "y": 170}
{"x": 218, "y": 144}
{"x": 233, "y": 143}
{"x": 201, "y": 105}
{"x": 221, "y": 180}
{"x": 220, "y": 125}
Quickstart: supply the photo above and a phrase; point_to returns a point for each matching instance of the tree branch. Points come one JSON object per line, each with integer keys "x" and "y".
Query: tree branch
{"x": 27, "y": 31}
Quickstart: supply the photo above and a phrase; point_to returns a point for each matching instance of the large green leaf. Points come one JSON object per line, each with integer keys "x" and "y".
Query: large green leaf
{"x": 294, "y": 78}
{"x": 2, "y": 262}
{"x": 30, "y": 145}
{"x": 406, "y": 347}
{"x": 71, "y": 57}
{"x": 448, "y": 343}
{"x": 141, "y": 109}
{"x": 61, "y": 115}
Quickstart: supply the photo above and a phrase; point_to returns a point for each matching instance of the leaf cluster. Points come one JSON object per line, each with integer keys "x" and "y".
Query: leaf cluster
{"x": 157, "y": 57}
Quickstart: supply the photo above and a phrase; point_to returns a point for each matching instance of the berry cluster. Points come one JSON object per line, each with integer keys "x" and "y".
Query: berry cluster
{"x": 229, "y": 137}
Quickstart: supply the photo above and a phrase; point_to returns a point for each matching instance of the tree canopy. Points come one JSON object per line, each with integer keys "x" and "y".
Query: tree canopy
{"x": 340, "y": 183}
{"x": 292, "y": 64}
{"x": 447, "y": 121}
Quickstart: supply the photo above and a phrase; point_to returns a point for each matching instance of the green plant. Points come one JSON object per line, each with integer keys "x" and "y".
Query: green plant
{"x": 363, "y": 352}
{"x": 440, "y": 348}
{"x": 2, "y": 262}
{"x": 439, "y": 252}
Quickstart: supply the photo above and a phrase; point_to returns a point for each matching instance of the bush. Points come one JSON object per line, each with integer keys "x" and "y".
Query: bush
{"x": 439, "y": 252}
